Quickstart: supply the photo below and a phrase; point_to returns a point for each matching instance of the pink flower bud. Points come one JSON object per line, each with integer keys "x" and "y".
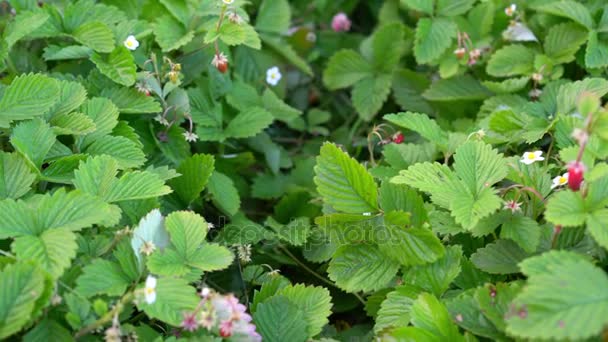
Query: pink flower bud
{"x": 340, "y": 22}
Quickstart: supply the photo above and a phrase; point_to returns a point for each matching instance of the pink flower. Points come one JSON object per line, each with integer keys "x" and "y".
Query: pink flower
{"x": 340, "y": 22}
{"x": 226, "y": 328}
{"x": 189, "y": 323}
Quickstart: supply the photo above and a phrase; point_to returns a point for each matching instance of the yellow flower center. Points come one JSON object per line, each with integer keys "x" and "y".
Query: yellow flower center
{"x": 531, "y": 156}
{"x": 129, "y": 43}
{"x": 562, "y": 180}
{"x": 149, "y": 290}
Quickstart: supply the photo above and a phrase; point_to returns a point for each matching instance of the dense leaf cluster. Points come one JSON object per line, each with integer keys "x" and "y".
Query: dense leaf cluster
{"x": 438, "y": 173}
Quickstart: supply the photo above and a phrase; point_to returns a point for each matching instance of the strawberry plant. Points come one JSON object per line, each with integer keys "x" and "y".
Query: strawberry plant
{"x": 384, "y": 170}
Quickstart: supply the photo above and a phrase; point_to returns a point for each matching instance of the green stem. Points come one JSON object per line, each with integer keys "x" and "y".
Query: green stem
{"x": 107, "y": 317}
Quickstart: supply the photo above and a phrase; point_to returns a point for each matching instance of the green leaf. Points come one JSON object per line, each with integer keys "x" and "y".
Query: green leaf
{"x": 224, "y": 194}
{"x": 173, "y": 298}
{"x": 450, "y": 8}
{"x": 343, "y": 182}
{"x": 568, "y": 94}
{"x": 72, "y": 95}
{"x": 511, "y": 60}
{"x": 565, "y": 297}
{"x": 248, "y": 123}
{"x": 570, "y": 9}
{"x": 187, "y": 231}
{"x": 131, "y": 101}
{"x": 430, "y": 314}
{"x": 395, "y": 309}
{"x": 479, "y": 165}
{"x": 566, "y": 208}
{"x": 48, "y": 330}
{"x": 33, "y": 140}
{"x": 401, "y": 156}
{"x": 97, "y": 176}
{"x": 285, "y": 50}
{"x": 95, "y": 35}
{"x": 28, "y": 96}
{"x": 499, "y": 257}
{"x": 274, "y": 16}
{"x": 458, "y": 88}
{"x": 563, "y": 41}
{"x": 407, "y": 91}
{"x": 433, "y": 37}
{"x": 344, "y": 69}
{"x": 596, "y": 53}
{"x": 523, "y": 230}
{"x": 369, "y": 95}
{"x": 424, "y": 6}
{"x": 230, "y": 33}
{"x": 102, "y": 277}
{"x": 15, "y": 176}
{"x": 279, "y": 109}
{"x": 397, "y": 197}
{"x": 596, "y": 225}
{"x": 388, "y": 45}
{"x": 361, "y": 268}
{"x": 126, "y": 152}
{"x": 212, "y": 257}
{"x": 510, "y": 85}
{"x": 104, "y": 115}
{"x": 495, "y": 301}
{"x": 433, "y": 178}
{"x": 466, "y": 308}
{"x": 407, "y": 245}
{"x": 119, "y": 65}
{"x": 23, "y": 24}
{"x": 277, "y": 320}
{"x": 53, "y": 250}
{"x": 438, "y": 276}
{"x": 73, "y": 123}
{"x": 171, "y": 34}
{"x": 195, "y": 173}
{"x": 22, "y": 286}
{"x": 315, "y": 302}
{"x": 179, "y": 9}
{"x": 57, "y": 53}
{"x": 421, "y": 124}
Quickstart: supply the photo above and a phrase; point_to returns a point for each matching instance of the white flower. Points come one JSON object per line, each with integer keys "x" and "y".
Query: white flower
{"x": 228, "y": 2}
{"x": 273, "y": 76}
{"x": 131, "y": 43}
{"x": 210, "y": 225}
{"x": 560, "y": 180}
{"x": 147, "y": 248}
{"x": 513, "y": 206}
{"x": 531, "y": 157}
{"x": 311, "y": 37}
{"x": 509, "y": 11}
{"x": 190, "y": 137}
{"x": 150, "y": 289}
{"x": 162, "y": 120}
{"x": 367, "y": 214}
{"x": 205, "y": 292}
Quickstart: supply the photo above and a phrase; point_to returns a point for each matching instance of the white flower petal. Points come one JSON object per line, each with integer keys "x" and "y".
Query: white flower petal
{"x": 151, "y": 282}
{"x": 150, "y": 297}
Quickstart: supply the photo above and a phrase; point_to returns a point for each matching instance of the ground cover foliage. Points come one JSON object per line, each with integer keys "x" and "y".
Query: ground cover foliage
{"x": 397, "y": 170}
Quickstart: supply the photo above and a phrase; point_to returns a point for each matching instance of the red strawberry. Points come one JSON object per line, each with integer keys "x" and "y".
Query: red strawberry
{"x": 398, "y": 138}
{"x": 575, "y": 175}
{"x": 222, "y": 66}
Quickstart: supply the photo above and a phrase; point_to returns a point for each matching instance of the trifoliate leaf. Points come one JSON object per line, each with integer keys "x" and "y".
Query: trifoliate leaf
{"x": 26, "y": 97}
{"x": 564, "y": 298}
{"x": 433, "y": 37}
{"x": 95, "y": 35}
{"x": 479, "y": 165}
{"x": 511, "y": 60}
{"x": 369, "y": 95}
{"x": 388, "y": 45}
{"x": 563, "y": 41}
{"x": 53, "y": 250}
{"x": 248, "y": 123}
{"x": 97, "y": 177}
{"x": 499, "y": 257}
{"x": 437, "y": 276}
{"x": 277, "y": 319}
{"x": 171, "y": 34}
{"x": 459, "y": 88}
{"x": 195, "y": 172}
{"x": 118, "y": 65}
{"x": 346, "y": 68}
{"x": 421, "y": 124}
{"x": 361, "y": 268}
{"x": 344, "y": 183}
{"x": 315, "y": 302}
{"x": 102, "y": 277}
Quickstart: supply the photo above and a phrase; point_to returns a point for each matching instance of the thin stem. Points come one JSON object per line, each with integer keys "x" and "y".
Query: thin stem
{"x": 556, "y": 231}
{"x": 315, "y": 274}
{"x": 238, "y": 262}
{"x": 107, "y": 317}
{"x": 7, "y": 254}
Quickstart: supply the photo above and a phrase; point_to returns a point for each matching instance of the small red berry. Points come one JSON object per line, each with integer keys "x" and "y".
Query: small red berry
{"x": 147, "y": 92}
{"x": 398, "y": 138}
{"x": 576, "y": 171}
{"x": 222, "y": 67}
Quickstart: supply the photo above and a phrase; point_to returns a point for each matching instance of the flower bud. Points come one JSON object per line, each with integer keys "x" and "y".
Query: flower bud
{"x": 576, "y": 171}
{"x": 460, "y": 52}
